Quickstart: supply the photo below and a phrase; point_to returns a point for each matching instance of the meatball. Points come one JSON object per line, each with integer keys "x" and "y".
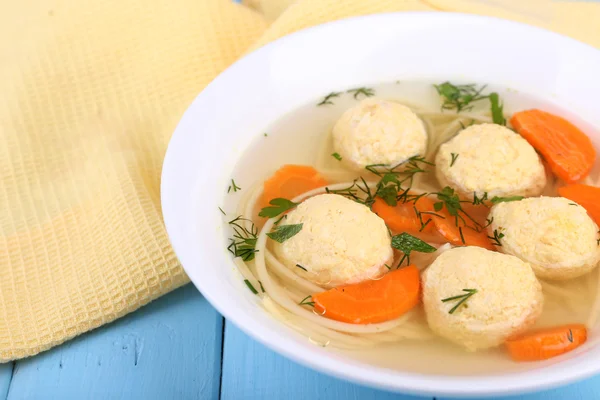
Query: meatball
{"x": 555, "y": 235}
{"x": 378, "y": 132}
{"x": 492, "y": 159}
{"x": 505, "y": 297}
{"x": 341, "y": 242}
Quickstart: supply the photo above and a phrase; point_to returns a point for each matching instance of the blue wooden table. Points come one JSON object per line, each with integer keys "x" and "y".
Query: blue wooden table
{"x": 179, "y": 347}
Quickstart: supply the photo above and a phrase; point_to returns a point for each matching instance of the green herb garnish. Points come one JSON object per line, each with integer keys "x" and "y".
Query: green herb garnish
{"x": 496, "y": 238}
{"x": 243, "y": 242}
{"x": 233, "y": 187}
{"x": 303, "y": 302}
{"x": 479, "y": 200}
{"x": 222, "y": 212}
{"x": 278, "y": 206}
{"x": 570, "y": 336}
{"x": 454, "y": 158}
{"x": 459, "y": 97}
{"x": 572, "y": 204}
{"x": 327, "y": 99}
{"x": 247, "y": 282}
{"x": 285, "y": 232}
{"x": 367, "y": 92}
{"x": 261, "y": 286}
{"x": 337, "y": 156}
{"x": 265, "y": 134}
{"x": 301, "y": 267}
{"x": 463, "y": 298}
{"x": 407, "y": 243}
{"x": 497, "y": 109}
{"x": 496, "y": 199}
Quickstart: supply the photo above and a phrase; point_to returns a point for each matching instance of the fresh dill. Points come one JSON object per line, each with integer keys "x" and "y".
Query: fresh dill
{"x": 252, "y": 289}
{"x": 222, "y": 212}
{"x": 243, "y": 241}
{"x": 570, "y": 336}
{"x": 327, "y": 99}
{"x": 488, "y": 222}
{"x": 387, "y": 266}
{"x": 419, "y": 215}
{"x": 459, "y": 97}
{"x": 496, "y": 238}
{"x": 367, "y": 92}
{"x": 303, "y": 302}
{"x": 353, "y": 192}
{"x": 449, "y": 199}
{"x": 496, "y": 199}
{"x": 572, "y": 204}
{"x": 462, "y": 237}
{"x": 285, "y": 232}
{"x": 265, "y": 134}
{"x": 497, "y": 109}
{"x": 301, "y": 267}
{"x": 479, "y": 200}
{"x": 454, "y": 158}
{"x": 233, "y": 187}
{"x": 337, "y": 156}
{"x": 261, "y": 286}
{"x": 463, "y": 126}
{"x": 277, "y": 206}
{"x": 462, "y": 299}
{"x": 407, "y": 243}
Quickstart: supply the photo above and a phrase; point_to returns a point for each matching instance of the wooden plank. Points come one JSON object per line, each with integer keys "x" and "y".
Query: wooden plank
{"x": 169, "y": 349}
{"x": 251, "y": 371}
{"x": 6, "y": 371}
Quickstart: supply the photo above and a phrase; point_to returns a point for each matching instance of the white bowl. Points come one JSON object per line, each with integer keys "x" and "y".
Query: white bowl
{"x": 240, "y": 103}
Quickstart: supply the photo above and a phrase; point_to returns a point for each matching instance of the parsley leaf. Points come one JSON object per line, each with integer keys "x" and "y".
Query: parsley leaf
{"x": 285, "y": 232}
{"x": 337, "y": 156}
{"x": 278, "y": 206}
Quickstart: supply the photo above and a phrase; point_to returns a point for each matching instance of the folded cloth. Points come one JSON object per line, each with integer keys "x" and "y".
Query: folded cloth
{"x": 90, "y": 93}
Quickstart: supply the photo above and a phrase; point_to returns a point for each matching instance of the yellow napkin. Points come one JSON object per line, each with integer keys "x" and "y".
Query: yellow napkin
{"x": 90, "y": 93}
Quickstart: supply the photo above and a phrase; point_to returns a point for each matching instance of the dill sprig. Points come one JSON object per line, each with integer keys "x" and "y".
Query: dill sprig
{"x": 233, "y": 187}
{"x": 367, "y": 92}
{"x": 301, "y": 267}
{"x": 449, "y": 199}
{"x": 252, "y": 289}
{"x": 243, "y": 241}
{"x": 303, "y": 302}
{"x": 454, "y": 158}
{"x": 327, "y": 99}
{"x": 222, "y": 212}
{"x": 337, "y": 156}
{"x": 496, "y": 238}
{"x": 462, "y": 299}
{"x": 459, "y": 97}
{"x": 570, "y": 336}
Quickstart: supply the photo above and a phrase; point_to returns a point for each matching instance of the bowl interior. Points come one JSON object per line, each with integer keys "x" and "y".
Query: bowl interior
{"x": 257, "y": 90}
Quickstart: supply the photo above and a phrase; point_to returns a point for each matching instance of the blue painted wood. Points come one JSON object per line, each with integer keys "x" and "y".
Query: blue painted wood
{"x": 169, "y": 349}
{"x": 5, "y": 378}
{"x": 251, "y": 371}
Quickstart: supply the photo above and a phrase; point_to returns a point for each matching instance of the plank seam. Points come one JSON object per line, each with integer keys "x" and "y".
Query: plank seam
{"x": 12, "y": 375}
{"x": 222, "y": 358}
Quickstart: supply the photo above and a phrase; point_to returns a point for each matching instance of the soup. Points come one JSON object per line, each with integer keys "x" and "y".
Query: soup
{"x": 408, "y": 217}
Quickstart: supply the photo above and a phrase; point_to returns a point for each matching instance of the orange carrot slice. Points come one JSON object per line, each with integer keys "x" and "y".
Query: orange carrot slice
{"x": 586, "y": 196}
{"x": 372, "y": 301}
{"x": 290, "y": 181}
{"x": 547, "y": 343}
{"x": 568, "y": 150}
{"x": 455, "y": 233}
{"x": 403, "y": 218}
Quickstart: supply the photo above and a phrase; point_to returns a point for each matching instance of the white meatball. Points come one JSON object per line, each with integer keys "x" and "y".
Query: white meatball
{"x": 378, "y": 132}
{"x": 555, "y": 235}
{"x": 341, "y": 242}
{"x": 508, "y": 299}
{"x": 492, "y": 159}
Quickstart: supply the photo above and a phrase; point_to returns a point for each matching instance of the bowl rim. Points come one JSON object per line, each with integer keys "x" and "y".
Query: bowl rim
{"x": 412, "y": 383}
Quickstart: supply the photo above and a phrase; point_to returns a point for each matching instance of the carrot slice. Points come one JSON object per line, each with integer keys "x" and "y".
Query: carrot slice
{"x": 586, "y": 196}
{"x": 568, "y": 150}
{"x": 290, "y": 181}
{"x": 547, "y": 343}
{"x": 403, "y": 218}
{"x": 372, "y": 301}
{"x": 455, "y": 232}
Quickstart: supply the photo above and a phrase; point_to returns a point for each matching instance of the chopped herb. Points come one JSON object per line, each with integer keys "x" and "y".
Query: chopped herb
{"x": 496, "y": 199}
{"x": 459, "y": 97}
{"x": 284, "y": 232}
{"x": 233, "y": 187}
{"x": 479, "y": 200}
{"x": 327, "y": 99}
{"x": 284, "y": 216}
{"x": 489, "y": 222}
{"x": 463, "y": 125}
{"x": 303, "y": 302}
{"x": 454, "y": 158}
{"x": 438, "y": 206}
{"x": 572, "y": 204}
{"x": 247, "y": 282}
{"x": 222, "y": 212}
{"x": 243, "y": 242}
{"x": 496, "y": 238}
{"x": 570, "y": 336}
{"x": 497, "y": 109}
{"x": 301, "y": 267}
{"x": 367, "y": 92}
{"x": 387, "y": 266}
{"x": 407, "y": 243}
{"x": 278, "y": 206}
{"x": 261, "y": 286}
{"x": 463, "y": 298}
{"x": 451, "y": 201}
{"x": 337, "y": 156}
{"x": 265, "y": 134}
{"x": 462, "y": 238}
